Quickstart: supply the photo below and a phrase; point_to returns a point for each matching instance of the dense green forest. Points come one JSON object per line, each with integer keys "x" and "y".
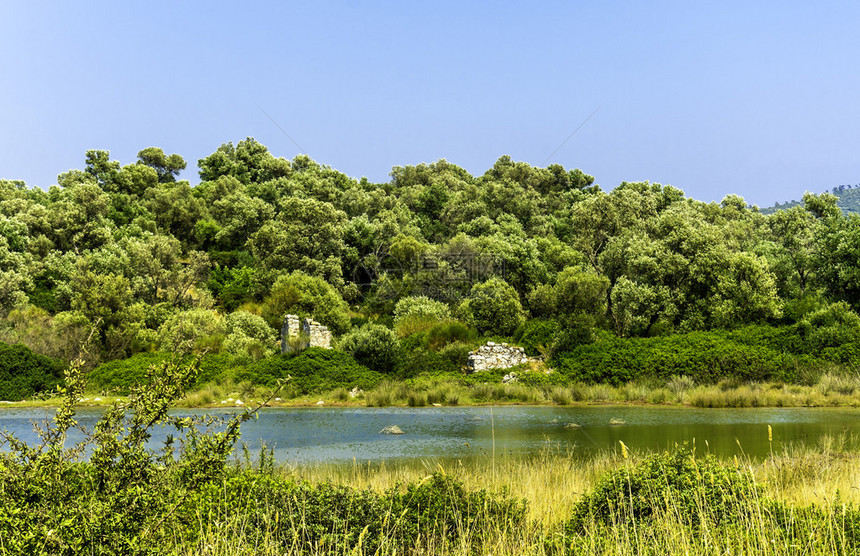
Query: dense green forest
{"x": 413, "y": 273}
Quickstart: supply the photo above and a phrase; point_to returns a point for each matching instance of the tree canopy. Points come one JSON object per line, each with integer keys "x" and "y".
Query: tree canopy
{"x": 136, "y": 252}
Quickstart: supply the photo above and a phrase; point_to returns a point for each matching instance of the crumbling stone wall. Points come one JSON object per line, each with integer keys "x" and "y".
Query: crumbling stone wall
{"x": 312, "y": 334}
{"x": 496, "y": 356}
{"x": 318, "y": 334}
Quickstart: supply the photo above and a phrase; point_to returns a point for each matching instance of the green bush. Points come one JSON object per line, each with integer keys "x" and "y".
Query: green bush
{"x": 541, "y": 380}
{"x": 336, "y": 519}
{"x": 249, "y": 335}
{"x": 448, "y": 332}
{"x": 494, "y": 307}
{"x": 121, "y": 375}
{"x": 231, "y": 286}
{"x": 706, "y": 357}
{"x": 536, "y": 335}
{"x": 372, "y": 345}
{"x": 24, "y": 373}
{"x": 129, "y": 496}
{"x": 441, "y": 507}
{"x": 414, "y": 324}
{"x": 191, "y": 329}
{"x": 777, "y": 338}
{"x": 306, "y": 296}
{"x": 420, "y": 306}
{"x": 700, "y": 493}
{"x": 833, "y": 326}
{"x": 671, "y": 482}
{"x": 457, "y": 352}
{"x": 415, "y": 360}
{"x": 314, "y": 370}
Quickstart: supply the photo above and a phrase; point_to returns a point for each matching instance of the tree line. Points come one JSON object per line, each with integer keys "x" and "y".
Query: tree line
{"x": 153, "y": 263}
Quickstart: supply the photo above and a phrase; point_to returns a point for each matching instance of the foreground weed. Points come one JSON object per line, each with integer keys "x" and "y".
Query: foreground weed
{"x": 128, "y": 497}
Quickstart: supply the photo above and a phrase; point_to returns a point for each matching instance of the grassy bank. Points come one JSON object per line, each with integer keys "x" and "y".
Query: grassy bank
{"x": 832, "y": 389}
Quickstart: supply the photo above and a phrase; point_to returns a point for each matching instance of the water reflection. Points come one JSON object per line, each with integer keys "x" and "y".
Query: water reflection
{"x": 306, "y": 435}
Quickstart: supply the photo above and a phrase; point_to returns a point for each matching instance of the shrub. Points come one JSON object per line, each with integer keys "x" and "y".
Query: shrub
{"x": 830, "y": 327}
{"x": 539, "y": 379}
{"x": 121, "y": 375}
{"x": 414, "y": 324}
{"x": 705, "y": 357}
{"x": 313, "y": 371}
{"x": 186, "y": 330}
{"x": 578, "y": 330}
{"x": 306, "y": 296}
{"x": 420, "y": 306}
{"x": 457, "y": 353}
{"x": 680, "y": 384}
{"x": 128, "y": 497}
{"x": 232, "y": 286}
{"x": 670, "y": 482}
{"x": 24, "y": 373}
{"x": 372, "y": 345}
{"x": 415, "y": 359}
{"x": 249, "y": 335}
{"x": 443, "y": 394}
{"x": 416, "y": 399}
{"x": 537, "y": 335}
{"x": 778, "y": 338}
{"x": 334, "y": 519}
{"x": 494, "y": 307}
{"x": 448, "y": 332}
{"x": 439, "y": 506}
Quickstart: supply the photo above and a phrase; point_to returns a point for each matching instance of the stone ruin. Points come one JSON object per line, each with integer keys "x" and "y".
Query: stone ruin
{"x": 496, "y": 356}
{"x": 312, "y": 334}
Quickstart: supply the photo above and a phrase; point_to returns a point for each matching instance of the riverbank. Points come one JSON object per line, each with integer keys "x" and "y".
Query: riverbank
{"x": 831, "y": 390}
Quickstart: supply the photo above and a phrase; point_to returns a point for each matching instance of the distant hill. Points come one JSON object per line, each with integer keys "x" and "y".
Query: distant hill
{"x": 849, "y": 200}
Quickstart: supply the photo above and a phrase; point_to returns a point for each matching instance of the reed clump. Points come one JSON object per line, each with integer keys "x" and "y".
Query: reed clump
{"x": 443, "y": 394}
{"x": 562, "y": 396}
{"x": 228, "y": 392}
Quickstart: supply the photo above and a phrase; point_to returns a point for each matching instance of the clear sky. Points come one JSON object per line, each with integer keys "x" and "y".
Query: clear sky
{"x": 761, "y": 99}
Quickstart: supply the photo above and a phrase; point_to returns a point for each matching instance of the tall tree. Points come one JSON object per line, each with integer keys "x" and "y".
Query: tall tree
{"x": 167, "y": 167}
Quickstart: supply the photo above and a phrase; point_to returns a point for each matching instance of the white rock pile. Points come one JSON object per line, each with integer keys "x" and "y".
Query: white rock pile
{"x": 496, "y": 356}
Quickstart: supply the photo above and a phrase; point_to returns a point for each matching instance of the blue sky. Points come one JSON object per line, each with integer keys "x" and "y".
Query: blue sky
{"x": 754, "y": 98}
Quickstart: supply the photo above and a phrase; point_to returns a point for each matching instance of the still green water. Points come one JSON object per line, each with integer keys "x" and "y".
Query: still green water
{"x": 339, "y": 435}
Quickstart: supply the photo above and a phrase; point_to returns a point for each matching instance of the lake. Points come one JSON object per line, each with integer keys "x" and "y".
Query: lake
{"x": 340, "y": 435}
